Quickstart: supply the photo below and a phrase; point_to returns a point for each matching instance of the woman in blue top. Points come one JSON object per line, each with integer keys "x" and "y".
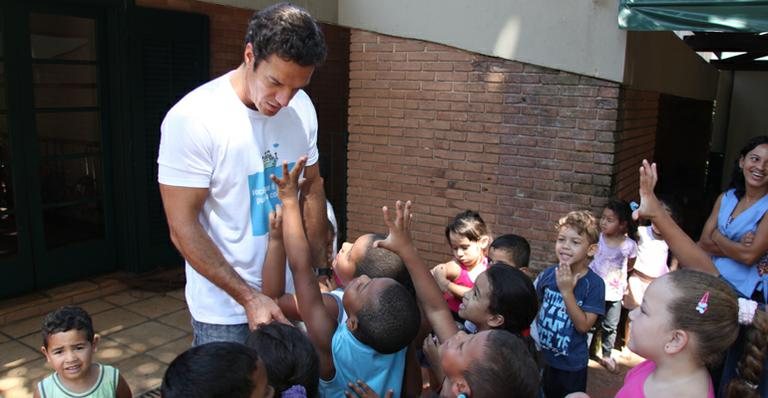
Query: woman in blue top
{"x": 738, "y": 212}
{"x": 736, "y": 235}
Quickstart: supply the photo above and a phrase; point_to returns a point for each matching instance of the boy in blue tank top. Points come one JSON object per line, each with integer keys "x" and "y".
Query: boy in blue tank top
{"x": 68, "y": 345}
{"x": 382, "y": 316}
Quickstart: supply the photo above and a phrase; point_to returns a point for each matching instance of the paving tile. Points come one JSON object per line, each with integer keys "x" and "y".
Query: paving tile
{"x": 179, "y": 319}
{"x": 156, "y": 306}
{"x": 169, "y": 351}
{"x": 71, "y": 289}
{"x": 142, "y": 373}
{"x": 146, "y": 336}
{"x": 13, "y": 354}
{"x": 95, "y": 306}
{"x": 110, "y": 351}
{"x": 178, "y": 293}
{"x": 115, "y": 320}
{"x": 33, "y": 341}
{"x": 20, "y": 381}
{"x": 23, "y": 327}
{"x": 28, "y": 300}
{"x": 4, "y": 338}
{"x": 128, "y": 296}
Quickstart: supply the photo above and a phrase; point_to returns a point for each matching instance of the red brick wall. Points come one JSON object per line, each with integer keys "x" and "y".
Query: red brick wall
{"x": 227, "y": 29}
{"x": 453, "y": 130}
{"x": 635, "y": 139}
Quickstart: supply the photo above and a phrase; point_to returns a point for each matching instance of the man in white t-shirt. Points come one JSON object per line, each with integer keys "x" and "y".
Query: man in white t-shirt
{"x": 219, "y": 146}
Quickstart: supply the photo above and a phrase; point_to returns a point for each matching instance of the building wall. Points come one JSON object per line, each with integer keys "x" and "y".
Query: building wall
{"x": 662, "y": 62}
{"x": 576, "y": 36}
{"x": 635, "y": 138}
{"x": 227, "y": 29}
{"x": 453, "y": 130}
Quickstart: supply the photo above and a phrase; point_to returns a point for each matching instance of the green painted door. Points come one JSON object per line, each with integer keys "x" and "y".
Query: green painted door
{"x": 55, "y": 193}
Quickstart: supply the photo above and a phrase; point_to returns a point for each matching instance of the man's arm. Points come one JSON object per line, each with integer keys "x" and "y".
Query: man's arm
{"x": 182, "y": 206}
{"x": 320, "y": 324}
{"x": 314, "y": 213}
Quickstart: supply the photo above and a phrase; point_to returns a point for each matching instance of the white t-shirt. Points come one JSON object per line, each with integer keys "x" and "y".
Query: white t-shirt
{"x": 210, "y": 139}
{"x": 652, "y": 253}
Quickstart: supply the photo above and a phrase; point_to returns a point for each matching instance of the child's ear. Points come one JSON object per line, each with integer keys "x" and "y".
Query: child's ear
{"x": 95, "y": 343}
{"x": 484, "y": 242}
{"x": 592, "y": 250}
{"x": 677, "y": 342}
{"x": 496, "y": 320}
{"x": 352, "y": 323}
{"x": 460, "y": 387}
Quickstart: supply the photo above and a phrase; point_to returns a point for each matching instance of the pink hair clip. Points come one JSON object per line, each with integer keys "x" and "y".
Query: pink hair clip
{"x": 747, "y": 310}
{"x": 703, "y": 303}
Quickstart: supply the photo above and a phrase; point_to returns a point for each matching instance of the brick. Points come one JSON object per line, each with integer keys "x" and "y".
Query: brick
{"x": 423, "y": 76}
{"x": 406, "y": 66}
{"x": 378, "y": 47}
{"x": 452, "y": 76}
{"x": 454, "y": 56}
{"x": 410, "y": 46}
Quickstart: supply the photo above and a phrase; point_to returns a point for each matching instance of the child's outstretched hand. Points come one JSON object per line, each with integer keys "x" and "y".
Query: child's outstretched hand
{"x": 361, "y": 390}
{"x": 399, "y": 229}
{"x": 288, "y": 184}
{"x": 649, "y": 204}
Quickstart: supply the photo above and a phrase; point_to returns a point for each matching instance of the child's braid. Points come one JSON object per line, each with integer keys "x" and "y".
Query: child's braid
{"x": 750, "y": 367}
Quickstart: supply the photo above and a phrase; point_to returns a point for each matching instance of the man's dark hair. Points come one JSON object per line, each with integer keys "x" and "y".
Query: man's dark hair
{"x": 287, "y": 31}
{"x": 288, "y": 355}
{"x": 516, "y": 245}
{"x": 64, "y": 319}
{"x": 389, "y": 322}
{"x": 378, "y": 262}
{"x": 506, "y": 366}
{"x": 220, "y": 369}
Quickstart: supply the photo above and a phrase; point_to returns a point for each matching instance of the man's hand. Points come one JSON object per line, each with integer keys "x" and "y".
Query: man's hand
{"x": 262, "y": 310}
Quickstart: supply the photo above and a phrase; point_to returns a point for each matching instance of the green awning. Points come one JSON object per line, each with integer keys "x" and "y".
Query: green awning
{"x": 697, "y": 16}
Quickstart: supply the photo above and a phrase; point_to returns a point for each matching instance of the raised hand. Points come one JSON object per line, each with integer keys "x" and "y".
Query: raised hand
{"x": 649, "y": 204}
{"x": 399, "y": 229}
{"x": 288, "y": 183}
{"x": 565, "y": 278}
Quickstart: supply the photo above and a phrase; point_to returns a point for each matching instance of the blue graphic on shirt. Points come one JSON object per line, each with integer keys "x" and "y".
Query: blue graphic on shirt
{"x": 263, "y": 194}
{"x": 554, "y": 325}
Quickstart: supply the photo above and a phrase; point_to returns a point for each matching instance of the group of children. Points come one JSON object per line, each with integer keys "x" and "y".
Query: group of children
{"x": 480, "y": 325}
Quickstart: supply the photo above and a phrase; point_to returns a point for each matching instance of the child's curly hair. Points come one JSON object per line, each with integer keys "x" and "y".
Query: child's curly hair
{"x": 583, "y": 222}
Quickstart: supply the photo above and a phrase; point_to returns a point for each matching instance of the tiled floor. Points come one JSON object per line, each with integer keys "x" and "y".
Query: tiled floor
{"x": 141, "y": 333}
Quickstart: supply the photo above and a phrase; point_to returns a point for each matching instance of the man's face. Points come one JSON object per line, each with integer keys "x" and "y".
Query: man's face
{"x": 274, "y": 82}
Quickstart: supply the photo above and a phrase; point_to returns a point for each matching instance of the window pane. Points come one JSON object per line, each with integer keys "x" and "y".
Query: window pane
{"x": 70, "y": 179}
{"x": 65, "y": 85}
{"x": 88, "y": 219}
{"x": 62, "y": 37}
{"x": 8, "y": 228}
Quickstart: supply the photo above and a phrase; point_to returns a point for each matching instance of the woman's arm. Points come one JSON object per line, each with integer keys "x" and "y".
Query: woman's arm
{"x": 745, "y": 254}
{"x": 705, "y": 240}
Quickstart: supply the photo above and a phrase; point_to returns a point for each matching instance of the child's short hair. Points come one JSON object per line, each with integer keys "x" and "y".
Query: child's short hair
{"x": 506, "y": 366}
{"x": 389, "y": 322}
{"x": 288, "y": 355}
{"x": 518, "y": 248}
{"x": 378, "y": 262}
{"x": 469, "y": 224}
{"x": 67, "y": 318}
{"x": 220, "y": 369}
{"x": 583, "y": 222}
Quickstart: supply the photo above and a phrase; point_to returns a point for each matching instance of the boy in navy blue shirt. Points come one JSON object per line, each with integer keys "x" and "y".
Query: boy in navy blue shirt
{"x": 572, "y": 297}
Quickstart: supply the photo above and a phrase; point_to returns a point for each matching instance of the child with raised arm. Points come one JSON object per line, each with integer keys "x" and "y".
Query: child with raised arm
{"x": 69, "y": 344}
{"x": 491, "y": 363}
{"x": 383, "y": 316}
{"x": 571, "y": 297}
